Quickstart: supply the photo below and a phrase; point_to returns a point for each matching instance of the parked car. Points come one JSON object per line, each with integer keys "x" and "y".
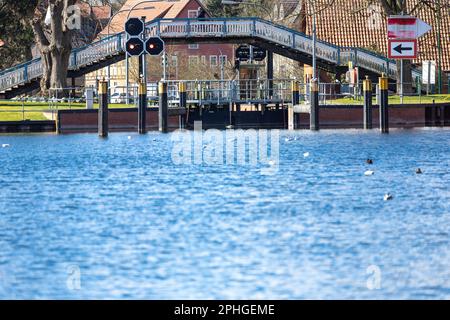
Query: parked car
{"x": 118, "y": 98}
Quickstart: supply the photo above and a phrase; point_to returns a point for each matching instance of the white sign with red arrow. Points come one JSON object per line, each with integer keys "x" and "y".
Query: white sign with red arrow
{"x": 406, "y": 27}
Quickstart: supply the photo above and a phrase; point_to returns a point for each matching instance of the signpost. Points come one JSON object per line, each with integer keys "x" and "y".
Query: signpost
{"x": 403, "y": 32}
{"x": 402, "y": 49}
{"x": 406, "y": 27}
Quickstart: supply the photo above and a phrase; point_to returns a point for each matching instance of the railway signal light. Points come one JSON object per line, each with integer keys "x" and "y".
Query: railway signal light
{"x": 245, "y": 53}
{"x": 135, "y": 47}
{"x": 134, "y": 27}
{"x": 154, "y": 46}
{"x": 259, "y": 54}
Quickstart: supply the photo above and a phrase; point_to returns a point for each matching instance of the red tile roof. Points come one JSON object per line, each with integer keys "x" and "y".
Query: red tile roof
{"x": 151, "y": 10}
{"x": 352, "y": 23}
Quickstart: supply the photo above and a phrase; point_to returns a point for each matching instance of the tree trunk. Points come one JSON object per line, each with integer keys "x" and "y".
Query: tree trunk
{"x": 55, "y": 44}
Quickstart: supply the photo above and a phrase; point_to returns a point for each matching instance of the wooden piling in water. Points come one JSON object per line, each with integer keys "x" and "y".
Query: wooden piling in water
{"x": 142, "y": 108}
{"x": 367, "y": 89}
{"x": 384, "y": 104}
{"x": 314, "y": 113}
{"x": 163, "y": 107}
{"x": 103, "y": 121}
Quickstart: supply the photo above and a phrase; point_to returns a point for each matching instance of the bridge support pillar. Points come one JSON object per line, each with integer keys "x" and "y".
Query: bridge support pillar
{"x": 103, "y": 120}
{"x": 270, "y": 72}
{"x": 384, "y": 104}
{"x": 163, "y": 107}
{"x": 314, "y": 114}
{"x": 73, "y": 87}
{"x": 367, "y": 88}
{"x": 142, "y": 108}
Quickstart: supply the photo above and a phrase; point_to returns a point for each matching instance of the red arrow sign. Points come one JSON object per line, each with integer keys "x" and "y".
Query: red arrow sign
{"x": 406, "y": 27}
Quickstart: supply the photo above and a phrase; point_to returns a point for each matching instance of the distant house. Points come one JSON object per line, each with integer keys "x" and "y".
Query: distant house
{"x": 190, "y": 61}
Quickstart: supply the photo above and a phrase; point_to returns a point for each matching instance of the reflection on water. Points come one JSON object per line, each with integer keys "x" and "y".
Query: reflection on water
{"x": 88, "y": 218}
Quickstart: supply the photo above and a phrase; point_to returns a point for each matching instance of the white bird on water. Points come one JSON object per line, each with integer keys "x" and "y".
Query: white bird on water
{"x": 306, "y": 155}
{"x": 387, "y": 197}
{"x": 5, "y": 145}
{"x": 369, "y": 173}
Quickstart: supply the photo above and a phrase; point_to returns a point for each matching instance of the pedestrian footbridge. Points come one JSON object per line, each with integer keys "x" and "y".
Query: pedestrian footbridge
{"x": 275, "y": 38}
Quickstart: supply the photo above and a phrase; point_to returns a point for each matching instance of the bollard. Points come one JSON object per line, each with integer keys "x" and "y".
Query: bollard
{"x": 142, "y": 108}
{"x": 295, "y": 93}
{"x": 103, "y": 109}
{"x": 384, "y": 107}
{"x": 367, "y": 88}
{"x": 314, "y": 114}
{"x": 163, "y": 107}
{"x": 183, "y": 95}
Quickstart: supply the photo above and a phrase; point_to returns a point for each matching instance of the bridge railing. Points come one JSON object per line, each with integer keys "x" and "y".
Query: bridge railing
{"x": 225, "y": 91}
{"x": 296, "y": 40}
{"x": 96, "y": 51}
{"x": 20, "y": 74}
{"x": 211, "y": 27}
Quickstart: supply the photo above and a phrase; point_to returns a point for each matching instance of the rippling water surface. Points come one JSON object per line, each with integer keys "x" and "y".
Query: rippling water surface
{"x": 83, "y": 217}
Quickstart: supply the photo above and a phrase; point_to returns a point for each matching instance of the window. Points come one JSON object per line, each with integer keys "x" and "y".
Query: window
{"x": 223, "y": 60}
{"x": 175, "y": 61}
{"x": 193, "y": 60}
{"x": 192, "y": 14}
{"x": 203, "y": 59}
{"x": 213, "y": 61}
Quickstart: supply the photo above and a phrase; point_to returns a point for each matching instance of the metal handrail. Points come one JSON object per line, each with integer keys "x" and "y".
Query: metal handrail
{"x": 202, "y": 27}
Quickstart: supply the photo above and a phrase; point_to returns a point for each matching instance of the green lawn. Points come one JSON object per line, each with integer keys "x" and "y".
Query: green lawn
{"x": 12, "y": 110}
{"x": 438, "y": 98}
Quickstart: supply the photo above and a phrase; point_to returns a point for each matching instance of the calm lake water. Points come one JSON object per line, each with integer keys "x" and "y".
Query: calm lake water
{"x": 83, "y": 217}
